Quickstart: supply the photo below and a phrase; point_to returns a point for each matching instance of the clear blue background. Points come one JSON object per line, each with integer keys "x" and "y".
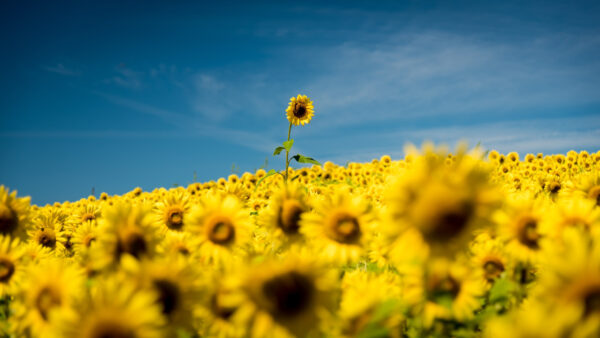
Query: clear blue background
{"x": 114, "y": 95}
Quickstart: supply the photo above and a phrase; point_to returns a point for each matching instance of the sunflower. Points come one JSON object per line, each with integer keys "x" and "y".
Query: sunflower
{"x": 571, "y": 282}
{"x": 293, "y": 297}
{"x": 113, "y": 309}
{"x": 489, "y": 260}
{"x": 171, "y": 213}
{"x": 450, "y": 290}
{"x": 364, "y": 295}
{"x": 300, "y": 110}
{"x": 282, "y": 216}
{"x": 446, "y": 198}
{"x": 177, "y": 284}
{"x": 50, "y": 287}
{"x": 179, "y": 243}
{"x": 223, "y": 227}
{"x": 14, "y": 213}
{"x": 87, "y": 213}
{"x": 522, "y": 226}
{"x": 47, "y": 230}
{"x": 339, "y": 227}
{"x": 124, "y": 229}
{"x": 10, "y": 263}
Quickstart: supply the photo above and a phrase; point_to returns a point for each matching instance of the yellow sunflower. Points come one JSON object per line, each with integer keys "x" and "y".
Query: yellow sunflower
{"x": 339, "y": 227}
{"x": 48, "y": 230}
{"x": 223, "y": 227}
{"x": 293, "y": 297}
{"x": 125, "y": 229}
{"x": 113, "y": 309}
{"x": 300, "y": 110}
{"x": 10, "y": 263}
{"x": 171, "y": 213}
{"x": 50, "y": 287}
{"x": 282, "y": 216}
{"x": 14, "y": 213}
{"x": 177, "y": 284}
{"x": 489, "y": 260}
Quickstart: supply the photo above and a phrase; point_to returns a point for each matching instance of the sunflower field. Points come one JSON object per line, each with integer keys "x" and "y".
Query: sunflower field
{"x": 461, "y": 243}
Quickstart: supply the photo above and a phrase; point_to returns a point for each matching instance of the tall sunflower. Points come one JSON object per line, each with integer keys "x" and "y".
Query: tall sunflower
{"x": 300, "y": 110}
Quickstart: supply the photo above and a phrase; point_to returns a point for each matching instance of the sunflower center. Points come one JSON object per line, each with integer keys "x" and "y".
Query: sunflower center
{"x": 219, "y": 310}
{"x": 8, "y": 219}
{"x": 528, "y": 234}
{"x": 221, "y": 231}
{"x": 446, "y": 287}
{"x": 46, "y": 238}
{"x": 112, "y": 329}
{"x": 289, "y": 293}
{"x": 300, "y": 110}
{"x": 46, "y": 299}
{"x": 450, "y": 223}
{"x": 87, "y": 217}
{"x": 493, "y": 268}
{"x": 554, "y": 187}
{"x": 88, "y": 240}
{"x": 289, "y": 216}
{"x": 175, "y": 218}
{"x": 345, "y": 228}
{"x": 592, "y": 302}
{"x": 594, "y": 194}
{"x": 7, "y": 268}
{"x": 133, "y": 244}
{"x": 168, "y": 295}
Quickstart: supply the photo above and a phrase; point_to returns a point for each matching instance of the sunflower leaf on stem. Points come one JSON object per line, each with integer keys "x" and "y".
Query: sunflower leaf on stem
{"x": 278, "y": 150}
{"x": 305, "y": 159}
{"x": 287, "y": 145}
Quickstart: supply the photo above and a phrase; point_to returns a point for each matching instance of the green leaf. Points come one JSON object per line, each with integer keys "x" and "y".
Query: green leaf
{"x": 278, "y": 150}
{"x": 304, "y": 159}
{"x": 384, "y": 310}
{"x": 288, "y": 144}
{"x": 501, "y": 290}
{"x": 269, "y": 173}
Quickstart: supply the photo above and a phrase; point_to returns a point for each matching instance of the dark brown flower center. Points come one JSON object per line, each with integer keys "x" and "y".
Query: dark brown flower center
{"x": 8, "y": 219}
{"x": 289, "y": 216}
{"x": 449, "y": 223}
{"x": 594, "y": 194}
{"x": 175, "y": 218}
{"x": 300, "y": 110}
{"x": 345, "y": 228}
{"x": 219, "y": 310}
{"x": 168, "y": 295}
{"x": 592, "y": 302}
{"x": 492, "y": 268}
{"x": 46, "y": 237}
{"x": 528, "y": 234}
{"x": 289, "y": 293}
{"x": 554, "y": 187}
{"x": 7, "y": 269}
{"x": 88, "y": 217}
{"x": 46, "y": 299}
{"x": 446, "y": 286}
{"x": 221, "y": 231}
{"x": 132, "y": 243}
{"x": 112, "y": 329}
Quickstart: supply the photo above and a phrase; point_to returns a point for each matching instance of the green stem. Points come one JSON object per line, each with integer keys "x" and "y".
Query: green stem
{"x": 287, "y": 154}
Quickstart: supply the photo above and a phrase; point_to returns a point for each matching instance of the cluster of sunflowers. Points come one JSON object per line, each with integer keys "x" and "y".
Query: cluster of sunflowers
{"x": 438, "y": 244}
{"x": 435, "y": 244}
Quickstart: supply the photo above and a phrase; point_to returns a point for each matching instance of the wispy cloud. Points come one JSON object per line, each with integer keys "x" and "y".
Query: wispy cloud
{"x": 62, "y": 70}
{"x": 127, "y": 77}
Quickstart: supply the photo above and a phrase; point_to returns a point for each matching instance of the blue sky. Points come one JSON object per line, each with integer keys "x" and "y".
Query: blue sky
{"x": 113, "y": 96}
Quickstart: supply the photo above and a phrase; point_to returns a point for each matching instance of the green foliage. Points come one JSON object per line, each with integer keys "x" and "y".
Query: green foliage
{"x": 304, "y": 159}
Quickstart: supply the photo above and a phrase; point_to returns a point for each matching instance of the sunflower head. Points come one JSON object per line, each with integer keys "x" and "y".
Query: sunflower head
{"x": 300, "y": 110}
